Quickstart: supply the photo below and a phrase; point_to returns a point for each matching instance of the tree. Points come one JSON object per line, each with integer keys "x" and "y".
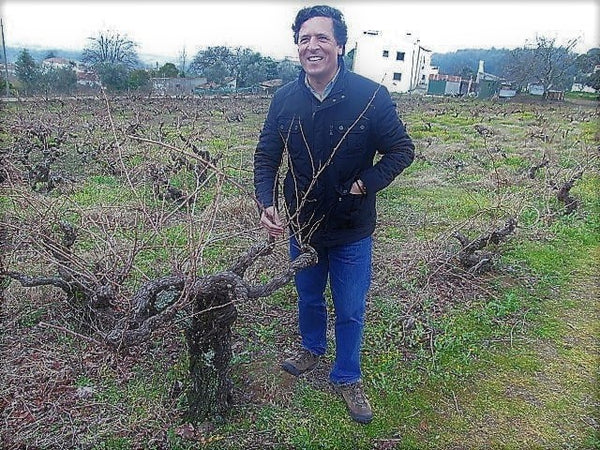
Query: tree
{"x": 349, "y": 59}
{"x": 247, "y": 66}
{"x": 544, "y": 62}
{"x": 258, "y": 71}
{"x": 593, "y": 80}
{"x": 114, "y": 77}
{"x": 27, "y": 70}
{"x": 61, "y": 80}
{"x": 453, "y": 63}
{"x": 3, "y": 85}
{"x": 217, "y": 72}
{"x": 250, "y": 67}
{"x": 182, "y": 62}
{"x": 586, "y": 64}
{"x": 467, "y": 73}
{"x": 111, "y": 47}
{"x": 138, "y": 79}
{"x": 168, "y": 70}
{"x": 287, "y": 70}
{"x": 213, "y": 60}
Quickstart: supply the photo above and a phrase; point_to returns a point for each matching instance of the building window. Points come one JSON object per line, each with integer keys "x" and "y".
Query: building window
{"x": 397, "y": 76}
{"x": 399, "y": 56}
{"x": 386, "y": 53}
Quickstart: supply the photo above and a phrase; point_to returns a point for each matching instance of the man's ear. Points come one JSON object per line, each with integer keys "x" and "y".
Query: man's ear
{"x": 340, "y": 50}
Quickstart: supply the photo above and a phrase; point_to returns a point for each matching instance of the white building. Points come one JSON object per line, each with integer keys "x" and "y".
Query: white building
{"x": 57, "y": 63}
{"x": 176, "y": 86}
{"x": 580, "y": 87}
{"x": 400, "y": 63}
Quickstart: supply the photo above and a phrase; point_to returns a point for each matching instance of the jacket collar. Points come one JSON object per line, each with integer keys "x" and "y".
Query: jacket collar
{"x": 327, "y": 89}
{"x": 339, "y": 82}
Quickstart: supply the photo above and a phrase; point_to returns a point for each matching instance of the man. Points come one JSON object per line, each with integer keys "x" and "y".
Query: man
{"x": 330, "y": 123}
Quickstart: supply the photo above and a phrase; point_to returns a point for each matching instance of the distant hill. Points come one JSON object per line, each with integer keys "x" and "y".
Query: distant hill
{"x": 40, "y": 53}
{"x": 463, "y": 62}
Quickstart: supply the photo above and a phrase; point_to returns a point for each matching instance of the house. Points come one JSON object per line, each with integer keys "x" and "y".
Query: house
{"x": 580, "y": 87}
{"x": 507, "y": 90}
{"x": 230, "y": 83}
{"x": 485, "y": 85}
{"x": 553, "y": 94}
{"x": 176, "y": 86}
{"x": 400, "y": 63}
{"x": 440, "y": 84}
{"x": 11, "y": 69}
{"x": 87, "y": 78}
{"x": 488, "y": 85}
{"x": 57, "y": 63}
{"x": 535, "y": 89}
{"x": 227, "y": 86}
{"x": 270, "y": 86}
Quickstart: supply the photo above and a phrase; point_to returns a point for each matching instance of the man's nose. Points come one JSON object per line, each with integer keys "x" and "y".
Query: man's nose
{"x": 313, "y": 43}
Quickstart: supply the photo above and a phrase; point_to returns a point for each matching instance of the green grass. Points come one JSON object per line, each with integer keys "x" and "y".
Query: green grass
{"x": 442, "y": 205}
{"x": 32, "y": 317}
{"x": 113, "y": 444}
{"x": 446, "y": 134}
{"x": 102, "y": 190}
{"x": 516, "y": 162}
{"x": 582, "y": 95}
{"x": 417, "y": 166}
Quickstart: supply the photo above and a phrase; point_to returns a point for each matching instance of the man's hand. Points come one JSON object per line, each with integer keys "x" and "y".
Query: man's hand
{"x": 358, "y": 188}
{"x": 271, "y": 222}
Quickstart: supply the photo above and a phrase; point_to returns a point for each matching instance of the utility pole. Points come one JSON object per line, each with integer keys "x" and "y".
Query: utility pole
{"x": 5, "y": 60}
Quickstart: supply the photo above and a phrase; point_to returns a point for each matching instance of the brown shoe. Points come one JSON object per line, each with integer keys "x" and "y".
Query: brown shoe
{"x": 301, "y": 362}
{"x": 356, "y": 401}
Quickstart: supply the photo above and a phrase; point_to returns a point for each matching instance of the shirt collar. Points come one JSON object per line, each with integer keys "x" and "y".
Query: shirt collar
{"x": 327, "y": 89}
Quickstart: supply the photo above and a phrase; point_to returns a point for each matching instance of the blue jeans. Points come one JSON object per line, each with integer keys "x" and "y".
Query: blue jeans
{"x": 348, "y": 268}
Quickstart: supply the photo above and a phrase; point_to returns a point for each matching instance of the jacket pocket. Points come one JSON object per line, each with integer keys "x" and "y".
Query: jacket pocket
{"x": 349, "y": 137}
{"x": 290, "y": 131}
{"x": 347, "y": 213}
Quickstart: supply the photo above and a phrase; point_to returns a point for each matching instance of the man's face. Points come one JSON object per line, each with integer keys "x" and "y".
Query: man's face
{"x": 318, "y": 50}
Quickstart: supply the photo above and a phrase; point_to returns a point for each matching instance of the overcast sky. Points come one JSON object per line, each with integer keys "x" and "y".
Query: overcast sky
{"x": 164, "y": 28}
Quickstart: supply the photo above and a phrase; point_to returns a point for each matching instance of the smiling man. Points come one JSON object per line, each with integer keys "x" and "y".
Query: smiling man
{"x": 319, "y": 51}
{"x": 330, "y": 124}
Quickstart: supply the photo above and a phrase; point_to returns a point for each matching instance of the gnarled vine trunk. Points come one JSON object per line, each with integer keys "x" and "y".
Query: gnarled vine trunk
{"x": 156, "y": 302}
{"x": 209, "y": 346}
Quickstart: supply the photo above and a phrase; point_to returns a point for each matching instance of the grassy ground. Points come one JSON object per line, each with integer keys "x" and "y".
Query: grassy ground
{"x": 453, "y": 359}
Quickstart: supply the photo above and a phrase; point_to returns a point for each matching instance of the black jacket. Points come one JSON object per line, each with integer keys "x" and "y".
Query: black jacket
{"x": 334, "y": 143}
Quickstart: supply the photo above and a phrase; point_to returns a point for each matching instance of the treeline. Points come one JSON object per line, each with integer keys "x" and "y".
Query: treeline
{"x": 113, "y": 61}
{"x": 542, "y": 62}
{"x": 246, "y": 66}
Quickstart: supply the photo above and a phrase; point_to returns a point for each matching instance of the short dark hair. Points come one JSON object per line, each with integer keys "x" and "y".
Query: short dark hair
{"x": 340, "y": 30}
